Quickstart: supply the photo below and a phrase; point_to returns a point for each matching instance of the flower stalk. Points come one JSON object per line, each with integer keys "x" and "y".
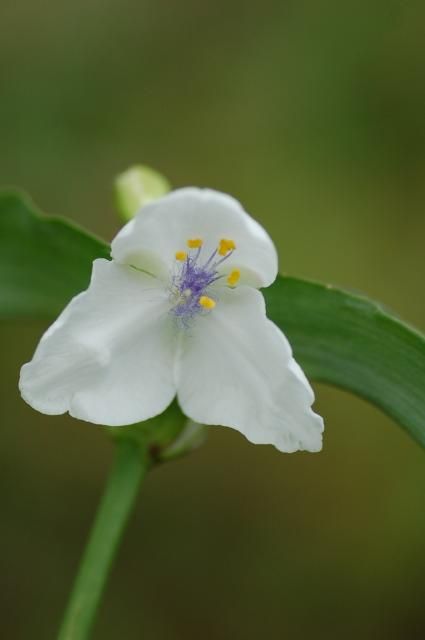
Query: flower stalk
{"x": 129, "y": 468}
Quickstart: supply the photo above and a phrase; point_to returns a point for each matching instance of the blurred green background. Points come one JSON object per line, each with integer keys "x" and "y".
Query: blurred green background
{"x": 312, "y": 114}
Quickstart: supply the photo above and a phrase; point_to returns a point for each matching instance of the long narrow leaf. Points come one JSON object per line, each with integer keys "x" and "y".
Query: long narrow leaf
{"x": 350, "y": 342}
{"x": 44, "y": 261}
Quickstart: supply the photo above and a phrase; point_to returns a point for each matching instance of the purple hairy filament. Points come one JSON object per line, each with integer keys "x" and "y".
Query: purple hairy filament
{"x": 191, "y": 283}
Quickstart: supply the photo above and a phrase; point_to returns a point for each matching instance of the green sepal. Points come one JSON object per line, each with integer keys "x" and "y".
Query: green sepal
{"x": 192, "y": 436}
{"x": 164, "y": 437}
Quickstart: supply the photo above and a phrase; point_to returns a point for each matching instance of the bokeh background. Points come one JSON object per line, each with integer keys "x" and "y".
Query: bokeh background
{"x": 312, "y": 114}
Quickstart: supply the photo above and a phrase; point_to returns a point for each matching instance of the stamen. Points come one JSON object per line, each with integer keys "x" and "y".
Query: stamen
{"x": 233, "y": 277}
{"x": 206, "y": 302}
{"x": 195, "y": 243}
{"x": 193, "y": 276}
{"x": 226, "y": 245}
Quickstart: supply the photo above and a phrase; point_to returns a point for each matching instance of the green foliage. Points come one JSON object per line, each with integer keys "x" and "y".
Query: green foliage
{"x": 44, "y": 261}
{"x": 353, "y": 343}
{"x": 338, "y": 338}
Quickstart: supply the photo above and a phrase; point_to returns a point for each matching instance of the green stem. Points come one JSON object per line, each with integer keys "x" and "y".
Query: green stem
{"x": 122, "y": 487}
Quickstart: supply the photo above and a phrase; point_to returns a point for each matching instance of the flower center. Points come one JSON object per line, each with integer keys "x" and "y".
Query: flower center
{"x": 193, "y": 277}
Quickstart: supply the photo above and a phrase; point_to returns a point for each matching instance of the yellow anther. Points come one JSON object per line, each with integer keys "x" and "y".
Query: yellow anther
{"x": 206, "y": 302}
{"x": 181, "y": 255}
{"x": 195, "y": 243}
{"x": 225, "y": 246}
{"x": 233, "y": 277}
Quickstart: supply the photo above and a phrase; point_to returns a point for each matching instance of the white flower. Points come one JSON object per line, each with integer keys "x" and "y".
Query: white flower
{"x": 177, "y": 311}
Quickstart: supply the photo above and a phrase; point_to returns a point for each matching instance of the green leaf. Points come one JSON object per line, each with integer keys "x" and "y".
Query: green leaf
{"x": 136, "y": 187}
{"x": 338, "y": 338}
{"x": 350, "y": 342}
{"x": 44, "y": 261}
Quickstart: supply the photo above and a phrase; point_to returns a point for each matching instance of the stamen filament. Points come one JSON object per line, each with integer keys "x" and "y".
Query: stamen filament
{"x": 222, "y": 259}
{"x": 210, "y": 258}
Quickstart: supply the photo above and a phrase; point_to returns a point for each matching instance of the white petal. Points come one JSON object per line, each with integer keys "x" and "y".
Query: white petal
{"x": 109, "y": 357}
{"x": 235, "y": 368}
{"x": 152, "y": 238}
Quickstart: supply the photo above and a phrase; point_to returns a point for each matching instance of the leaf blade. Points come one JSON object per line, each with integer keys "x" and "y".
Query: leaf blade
{"x": 44, "y": 261}
{"x": 350, "y": 342}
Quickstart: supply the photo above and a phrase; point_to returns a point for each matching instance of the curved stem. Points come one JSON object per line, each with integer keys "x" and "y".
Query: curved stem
{"x": 118, "y": 499}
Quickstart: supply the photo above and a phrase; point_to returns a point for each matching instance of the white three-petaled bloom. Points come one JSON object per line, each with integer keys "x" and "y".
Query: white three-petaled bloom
{"x": 177, "y": 311}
